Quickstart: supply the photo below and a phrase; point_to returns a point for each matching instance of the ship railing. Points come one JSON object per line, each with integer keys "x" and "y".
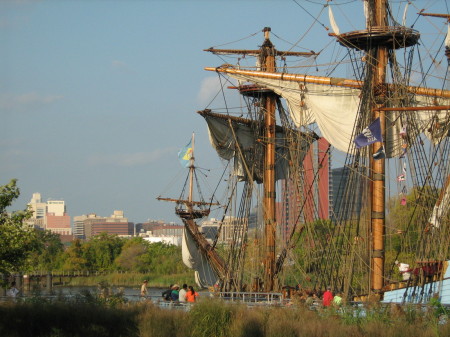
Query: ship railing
{"x": 253, "y": 298}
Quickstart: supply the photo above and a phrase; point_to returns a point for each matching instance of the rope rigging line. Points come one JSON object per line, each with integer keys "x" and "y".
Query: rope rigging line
{"x": 315, "y": 19}
{"x": 241, "y": 39}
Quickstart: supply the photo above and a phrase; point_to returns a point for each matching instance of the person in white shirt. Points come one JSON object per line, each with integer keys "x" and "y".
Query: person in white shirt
{"x": 404, "y": 269}
{"x": 12, "y": 291}
{"x": 182, "y": 294}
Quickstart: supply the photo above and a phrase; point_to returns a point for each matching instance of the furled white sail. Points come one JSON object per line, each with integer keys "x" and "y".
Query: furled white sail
{"x": 366, "y": 11}
{"x": 441, "y": 208}
{"x": 404, "y": 14}
{"x": 434, "y": 123}
{"x": 240, "y": 142}
{"x": 447, "y": 38}
{"x": 335, "y": 109}
{"x": 193, "y": 258}
{"x": 333, "y": 23}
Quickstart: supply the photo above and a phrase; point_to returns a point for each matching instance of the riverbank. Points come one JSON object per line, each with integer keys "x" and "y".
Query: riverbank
{"x": 94, "y": 317}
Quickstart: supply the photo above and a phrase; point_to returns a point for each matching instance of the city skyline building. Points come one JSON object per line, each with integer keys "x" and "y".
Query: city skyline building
{"x": 317, "y": 173}
{"x": 345, "y": 207}
{"x": 50, "y": 215}
{"x": 117, "y": 224}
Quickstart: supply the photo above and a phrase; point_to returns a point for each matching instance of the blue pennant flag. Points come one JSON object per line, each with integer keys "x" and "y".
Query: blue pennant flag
{"x": 185, "y": 154}
{"x": 370, "y": 135}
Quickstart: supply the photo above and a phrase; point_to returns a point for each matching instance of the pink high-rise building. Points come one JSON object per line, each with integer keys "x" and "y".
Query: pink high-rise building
{"x": 310, "y": 200}
{"x": 50, "y": 215}
{"x": 316, "y": 189}
{"x": 59, "y": 224}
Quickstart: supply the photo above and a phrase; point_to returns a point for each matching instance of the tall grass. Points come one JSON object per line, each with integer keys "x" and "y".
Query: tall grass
{"x": 89, "y": 315}
{"x": 211, "y": 317}
{"x": 66, "y": 319}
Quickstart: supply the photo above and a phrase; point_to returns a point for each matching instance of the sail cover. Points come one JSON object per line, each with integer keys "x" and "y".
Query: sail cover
{"x": 240, "y": 142}
{"x": 205, "y": 276}
{"x": 335, "y": 110}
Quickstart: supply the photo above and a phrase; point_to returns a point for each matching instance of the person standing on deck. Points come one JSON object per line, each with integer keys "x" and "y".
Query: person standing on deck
{"x": 327, "y": 297}
{"x": 337, "y": 300}
{"x": 404, "y": 269}
{"x": 191, "y": 295}
{"x": 182, "y": 293}
{"x": 175, "y": 292}
{"x": 167, "y": 293}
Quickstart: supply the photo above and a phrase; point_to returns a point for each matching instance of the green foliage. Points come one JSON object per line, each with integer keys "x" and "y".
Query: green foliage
{"x": 163, "y": 259}
{"x": 154, "y": 322}
{"x": 101, "y": 251}
{"x": 135, "y": 256}
{"x": 73, "y": 257}
{"x": 47, "y": 251}
{"x": 211, "y": 318}
{"x": 16, "y": 240}
{"x": 132, "y": 256}
{"x": 26, "y": 249}
{"x": 405, "y": 222}
{"x": 88, "y": 314}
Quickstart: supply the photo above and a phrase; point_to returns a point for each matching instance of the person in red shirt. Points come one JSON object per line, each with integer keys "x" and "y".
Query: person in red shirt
{"x": 191, "y": 295}
{"x": 327, "y": 297}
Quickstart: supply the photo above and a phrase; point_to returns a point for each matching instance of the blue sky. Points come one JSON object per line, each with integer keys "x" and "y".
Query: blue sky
{"x": 97, "y": 97}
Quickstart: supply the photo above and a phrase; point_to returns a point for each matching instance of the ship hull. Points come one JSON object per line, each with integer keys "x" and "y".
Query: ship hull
{"x": 439, "y": 289}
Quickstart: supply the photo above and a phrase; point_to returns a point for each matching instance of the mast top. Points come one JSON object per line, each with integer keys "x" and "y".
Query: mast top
{"x": 257, "y": 52}
{"x": 267, "y": 31}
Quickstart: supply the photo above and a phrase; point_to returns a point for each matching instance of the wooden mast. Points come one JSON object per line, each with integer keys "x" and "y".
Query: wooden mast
{"x": 376, "y": 41}
{"x": 378, "y": 19}
{"x": 269, "y": 198}
{"x": 266, "y": 55}
{"x": 191, "y": 174}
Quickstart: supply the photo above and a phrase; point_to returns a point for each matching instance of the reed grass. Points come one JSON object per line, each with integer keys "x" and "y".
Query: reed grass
{"x": 90, "y": 315}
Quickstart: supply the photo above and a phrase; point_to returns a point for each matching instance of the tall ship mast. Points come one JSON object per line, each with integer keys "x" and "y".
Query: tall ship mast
{"x": 390, "y": 129}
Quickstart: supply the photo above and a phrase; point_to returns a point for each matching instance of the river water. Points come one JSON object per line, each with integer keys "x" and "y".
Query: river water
{"x": 130, "y": 293}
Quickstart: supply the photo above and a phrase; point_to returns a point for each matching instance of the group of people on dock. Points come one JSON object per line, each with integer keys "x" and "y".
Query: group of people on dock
{"x": 329, "y": 299}
{"x": 185, "y": 294}
{"x": 317, "y": 298}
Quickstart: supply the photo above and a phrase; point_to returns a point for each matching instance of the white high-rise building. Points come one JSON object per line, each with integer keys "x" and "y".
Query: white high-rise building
{"x": 50, "y": 215}
{"x": 38, "y": 207}
{"x": 57, "y": 207}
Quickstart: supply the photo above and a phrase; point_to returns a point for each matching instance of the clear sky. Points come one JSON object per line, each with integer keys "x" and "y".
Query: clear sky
{"x": 97, "y": 97}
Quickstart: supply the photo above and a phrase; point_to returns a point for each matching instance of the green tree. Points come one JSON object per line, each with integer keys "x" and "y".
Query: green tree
{"x": 73, "y": 257}
{"x": 16, "y": 239}
{"x": 47, "y": 251}
{"x": 164, "y": 259}
{"x": 132, "y": 256}
{"x": 405, "y": 221}
{"x": 102, "y": 250}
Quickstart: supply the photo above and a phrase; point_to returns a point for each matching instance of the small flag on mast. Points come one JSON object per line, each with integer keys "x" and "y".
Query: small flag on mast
{"x": 370, "y": 135}
{"x": 185, "y": 154}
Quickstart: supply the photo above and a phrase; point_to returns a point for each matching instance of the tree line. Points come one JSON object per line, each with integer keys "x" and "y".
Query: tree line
{"x": 28, "y": 249}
